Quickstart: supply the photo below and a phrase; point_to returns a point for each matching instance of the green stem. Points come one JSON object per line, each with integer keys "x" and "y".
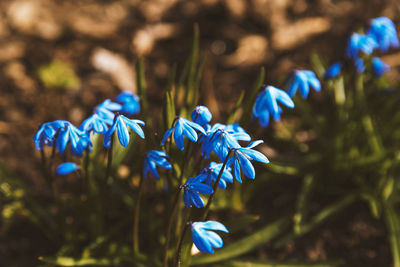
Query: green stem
{"x": 367, "y": 122}
{"x": 169, "y": 225}
{"x": 135, "y": 238}
{"x": 211, "y": 197}
{"x": 109, "y": 160}
{"x": 178, "y": 254}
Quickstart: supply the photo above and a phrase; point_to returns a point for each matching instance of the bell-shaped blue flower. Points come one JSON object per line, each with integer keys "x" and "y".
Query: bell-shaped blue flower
{"x": 204, "y": 238}
{"x": 379, "y": 66}
{"x": 360, "y": 42}
{"x": 78, "y": 139}
{"x": 153, "y": 159}
{"x": 267, "y": 104}
{"x": 220, "y": 141}
{"x": 241, "y": 160}
{"x": 183, "y": 127}
{"x": 201, "y": 115}
{"x": 122, "y": 125}
{"x": 95, "y": 123}
{"x": 383, "y": 30}
{"x": 47, "y": 133}
{"x": 303, "y": 79}
{"x": 105, "y": 109}
{"x": 66, "y": 168}
{"x": 333, "y": 71}
{"x": 192, "y": 189}
{"x": 210, "y": 174}
{"x": 130, "y": 103}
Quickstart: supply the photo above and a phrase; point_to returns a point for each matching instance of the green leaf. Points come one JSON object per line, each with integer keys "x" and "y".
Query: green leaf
{"x": 302, "y": 203}
{"x": 67, "y": 261}
{"x": 169, "y": 112}
{"x": 282, "y": 264}
{"x": 235, "y": 110}
{"x": 393, "y": 225}
{"x": 59, "y": 74}
{"x": 318, "y": 65}
{"x": 250, "y": 98}
{"x": 142, "y": 91}
{"x": 246, "y": 244}
{"x": 318, "y": 219}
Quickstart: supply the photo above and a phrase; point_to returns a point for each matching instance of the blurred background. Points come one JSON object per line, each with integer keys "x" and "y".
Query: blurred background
{"x": 59, "y": 59}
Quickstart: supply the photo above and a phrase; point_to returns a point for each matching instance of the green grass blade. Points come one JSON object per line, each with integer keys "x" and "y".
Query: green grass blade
{"x": 235, "y": 110}
{"x": 318, "y": 219}
{"x": 302, "y": 203}
{"x": 246, "y": 244}
{"x": 282, "y": 264}
{"x": 250, "y": 98}
{"x": 393, "y": 225}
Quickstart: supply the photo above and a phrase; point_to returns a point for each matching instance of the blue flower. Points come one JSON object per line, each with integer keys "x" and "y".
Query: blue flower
{"x": 121, "y": 124}
{"x": 46, "y": 134}
{"x": 66, "y": 168}
{"x": 303, "y": 79}
{"x": 130, "y": 101}
{"x": 183, "y": 127}
{"x": 201, "y": 115}
{"x": 333, "y": 71}
{"x": 379, "y": 66}
{"x": 203, "y": 237}
{"x": 383, "y": 30}
{"x": 267, "y": 104}
{"x": 95, "y": 123}
{"x": 210, "y": 174}
{"x": 192, "y": 189}
{"x": 68, "y": 133}
{"x": 241, "y": 160}
{"x": 104, "y": 110}
{"x": 358, "y": 42}
{"x": 221, "y": 139}
{"x": 153, "y": 159}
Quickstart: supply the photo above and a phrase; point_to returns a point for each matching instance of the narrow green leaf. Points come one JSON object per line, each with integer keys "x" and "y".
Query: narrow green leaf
{"x": 250, "y": 98}
{"x": 169, "y": 112}
{"x": 142, "y": 90}
{"x": 318, "y": 65}
{"x": 67, "y": 261}
{"x": 235, "y": 110}
{"x": 393, "y": 225}
{"x": 193, "y": 59}
{"x": 246, "y": 244}
{"x": 302, "y": 203}
{"x": 318, "y": 219}
{"x": 282, "y": 264}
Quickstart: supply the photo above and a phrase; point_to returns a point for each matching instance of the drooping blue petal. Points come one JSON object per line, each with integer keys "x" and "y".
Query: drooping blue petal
{"x": 203, "y": 237}
{"x": 379, "y": 66}
{"x": 166, "y": 135}
{"x": 246, "y": 166}
{"x": 66, "y": 168}
{"x": 333, "y": 71}
{"x": 178, "y": 135}
{"x": 123, "y": 133}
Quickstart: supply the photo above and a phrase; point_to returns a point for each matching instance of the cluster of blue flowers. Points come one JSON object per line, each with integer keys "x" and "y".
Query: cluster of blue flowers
{"x": 380, "y": 36}
{"x": 58, "y": 134}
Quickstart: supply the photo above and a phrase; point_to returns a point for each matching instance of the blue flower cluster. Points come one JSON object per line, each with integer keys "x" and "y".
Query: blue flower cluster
{"x": 225, "y": 142}
{"x": 381, "y": 35}
{"x": 60, "y": 133}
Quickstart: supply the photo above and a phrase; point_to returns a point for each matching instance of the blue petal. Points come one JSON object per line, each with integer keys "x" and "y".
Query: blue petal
{"x": 255, "y": 155}
{"x": 122, "y": 131}
{"x": 197, "y": 200}
{"x": 166, "y": 135}
{"x": 201, "y": 244}
{"x": 62, "y": 140}
{"x": 66, "y": 168}
{"x": 213, "y": 225}
{"x": 186, "y": 199}
{"x": 246, "y": 165}
{"x": 134, "y": 126}
{"x": 196, "y": 126}
{"x": 178, "y": 137}
{"x": 202, "y": 188}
